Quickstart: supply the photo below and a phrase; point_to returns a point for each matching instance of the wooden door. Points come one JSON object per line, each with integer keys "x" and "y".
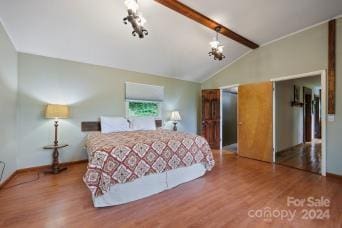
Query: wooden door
{"x": 211, "y": 117}
{"x": 307, "y": 96}
{"x": 318, "y": 127}
{"x": 255, "y": 121}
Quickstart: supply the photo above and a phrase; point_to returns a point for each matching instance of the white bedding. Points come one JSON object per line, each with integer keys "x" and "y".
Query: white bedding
{"x": 148, "y": 185}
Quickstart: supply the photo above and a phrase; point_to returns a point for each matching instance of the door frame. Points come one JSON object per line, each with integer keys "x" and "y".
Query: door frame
{"x": 221, "y": 122}
{"x": 323, "y": 75}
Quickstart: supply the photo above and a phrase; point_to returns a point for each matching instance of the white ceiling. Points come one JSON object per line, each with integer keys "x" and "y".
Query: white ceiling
{"x": 92, "y": 31}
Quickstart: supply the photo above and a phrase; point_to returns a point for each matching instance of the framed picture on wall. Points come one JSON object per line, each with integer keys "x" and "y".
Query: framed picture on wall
{"x": 296, "y": 97}
{"x": 296, "y": 94}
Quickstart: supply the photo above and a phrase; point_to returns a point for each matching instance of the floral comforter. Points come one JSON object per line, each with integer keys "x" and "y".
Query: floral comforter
{"x": 125, "y": 156}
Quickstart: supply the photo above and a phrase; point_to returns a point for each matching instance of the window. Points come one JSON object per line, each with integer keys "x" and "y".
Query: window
{"x": 143, "y": 108}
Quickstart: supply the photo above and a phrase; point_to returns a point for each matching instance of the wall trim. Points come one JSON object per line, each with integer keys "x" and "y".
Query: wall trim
{"x": 10, "y": 177}
{"x": 334, "y": 175}
{"x": 38, "y": 168}
{"x": 289, "y": 148}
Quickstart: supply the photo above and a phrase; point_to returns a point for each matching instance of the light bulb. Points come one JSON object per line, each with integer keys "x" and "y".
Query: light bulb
{"x": 214, "y": 44}
{"x": 141, "y": 21}
{"x": 132, "y": 5}
{"x": 220, "y": 48}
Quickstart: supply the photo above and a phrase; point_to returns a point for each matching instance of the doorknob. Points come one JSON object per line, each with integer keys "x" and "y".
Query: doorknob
{"x": 240, "y": 123}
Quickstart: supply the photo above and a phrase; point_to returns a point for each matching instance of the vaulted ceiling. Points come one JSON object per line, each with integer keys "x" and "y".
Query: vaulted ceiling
{"x": 92, "y": 31}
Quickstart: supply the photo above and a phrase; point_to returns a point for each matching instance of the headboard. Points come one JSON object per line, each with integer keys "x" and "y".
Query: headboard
{"x": 96, "y": 125}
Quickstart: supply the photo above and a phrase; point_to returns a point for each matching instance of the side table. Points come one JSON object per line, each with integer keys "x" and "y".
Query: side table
{"x": 55, "y": 167}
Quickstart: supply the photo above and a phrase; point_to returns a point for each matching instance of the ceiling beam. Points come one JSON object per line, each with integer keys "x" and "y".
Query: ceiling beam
{"x": 206, "y": 21}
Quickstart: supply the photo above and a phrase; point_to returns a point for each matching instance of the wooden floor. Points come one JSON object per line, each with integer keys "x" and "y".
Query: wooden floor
{"x": 304, "y": 156}
{"x": 233, "y": 148}
{"x": 222, "y": 198}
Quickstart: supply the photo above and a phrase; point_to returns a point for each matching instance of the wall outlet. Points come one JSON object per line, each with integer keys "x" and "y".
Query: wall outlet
{"x": 331, "y": 118}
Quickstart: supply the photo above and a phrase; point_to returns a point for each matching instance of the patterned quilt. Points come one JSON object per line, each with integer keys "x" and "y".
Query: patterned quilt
{"x": 125, "y": 156}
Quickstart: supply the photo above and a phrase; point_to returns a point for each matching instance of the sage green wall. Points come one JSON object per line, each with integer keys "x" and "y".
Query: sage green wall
{"x": 91, "y": 91}
{"x": 8, "y": 97}
{"x": 300, "y": 53}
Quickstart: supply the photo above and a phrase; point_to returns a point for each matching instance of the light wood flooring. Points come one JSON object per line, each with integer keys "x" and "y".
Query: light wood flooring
{"x": 222, "y": 198}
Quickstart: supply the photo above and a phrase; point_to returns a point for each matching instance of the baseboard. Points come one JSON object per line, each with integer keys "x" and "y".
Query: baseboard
{"x": 43, "y": 167}
{"x": 38, "y": 168}
{"x": 8, "y": 179}
{"x": 334, "y": 175}
{"x": 290, "y": 148}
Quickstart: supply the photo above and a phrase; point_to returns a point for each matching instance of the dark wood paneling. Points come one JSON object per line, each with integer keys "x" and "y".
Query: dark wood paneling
{"x": 211, "y": 117}
{"x": 91, "y": 126}
{"x": 332, "y": 67}
{"x": 206, "y": 21}
{"x": 96, "y": 125}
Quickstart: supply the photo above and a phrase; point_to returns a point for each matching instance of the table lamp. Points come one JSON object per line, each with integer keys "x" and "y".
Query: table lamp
{"x": 175, "y": 117}
{"x": 56, "y": 112}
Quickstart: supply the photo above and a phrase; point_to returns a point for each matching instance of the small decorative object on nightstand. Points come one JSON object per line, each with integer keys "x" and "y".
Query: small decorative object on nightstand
{"x": 56, "y": 112}
{"x": 175, "y": 117}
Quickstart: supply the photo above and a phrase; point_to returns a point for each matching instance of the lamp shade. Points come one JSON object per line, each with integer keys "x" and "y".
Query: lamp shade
{"x": 57, "y": 111}
{"x": 175, "y": 116}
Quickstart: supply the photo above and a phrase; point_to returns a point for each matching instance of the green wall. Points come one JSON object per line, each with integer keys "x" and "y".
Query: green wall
{"x": 8, "y": 102}
{"x": 91, "y": 91}
{"x": 303, "y": 52}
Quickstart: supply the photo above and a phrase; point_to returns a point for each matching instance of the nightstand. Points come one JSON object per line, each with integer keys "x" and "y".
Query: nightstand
{"x": 55, "y": 167}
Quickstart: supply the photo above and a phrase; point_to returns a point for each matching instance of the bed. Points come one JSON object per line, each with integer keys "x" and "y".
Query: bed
{"x": 127, "y": 166}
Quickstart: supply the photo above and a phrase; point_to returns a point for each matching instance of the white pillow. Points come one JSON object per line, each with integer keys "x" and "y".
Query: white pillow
{"x": 113, "y": 124}
{"x": 143, "y": 123}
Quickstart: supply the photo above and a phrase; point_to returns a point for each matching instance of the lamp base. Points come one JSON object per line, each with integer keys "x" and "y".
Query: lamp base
{"x": 55, "y": 167}
{"x": 55, "y": 170}
{"x": 175, "y": 126}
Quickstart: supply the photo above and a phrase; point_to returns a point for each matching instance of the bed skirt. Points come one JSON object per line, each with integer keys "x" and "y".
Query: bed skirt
{"x": 148, "y": 185}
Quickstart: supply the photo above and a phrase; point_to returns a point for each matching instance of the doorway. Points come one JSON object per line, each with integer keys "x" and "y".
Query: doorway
{"x": 298, "y": 119}
{"x": 253, "y": 120}
{"x": 229, "y": 119}
{"x": 211, "y": 127}
{"x": 257, "y": 120}
{"x": 307, "y": 110}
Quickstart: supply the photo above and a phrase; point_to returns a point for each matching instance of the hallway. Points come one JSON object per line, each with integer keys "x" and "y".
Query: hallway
{"x": 304, "y": 156}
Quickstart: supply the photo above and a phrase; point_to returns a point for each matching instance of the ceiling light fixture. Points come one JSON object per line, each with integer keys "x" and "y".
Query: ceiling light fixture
{"x": 216, "y": 48}
{"x": 136, "y": 19}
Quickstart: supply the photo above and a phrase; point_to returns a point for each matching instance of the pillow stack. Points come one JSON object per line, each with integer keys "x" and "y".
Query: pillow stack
{"x": 120, "y": 124}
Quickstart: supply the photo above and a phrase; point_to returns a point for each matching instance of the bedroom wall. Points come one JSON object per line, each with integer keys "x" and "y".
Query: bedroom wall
{"x": 91, "y": 91}
{"x": 8, "y": 100}
{"x": 303, "y": 52}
